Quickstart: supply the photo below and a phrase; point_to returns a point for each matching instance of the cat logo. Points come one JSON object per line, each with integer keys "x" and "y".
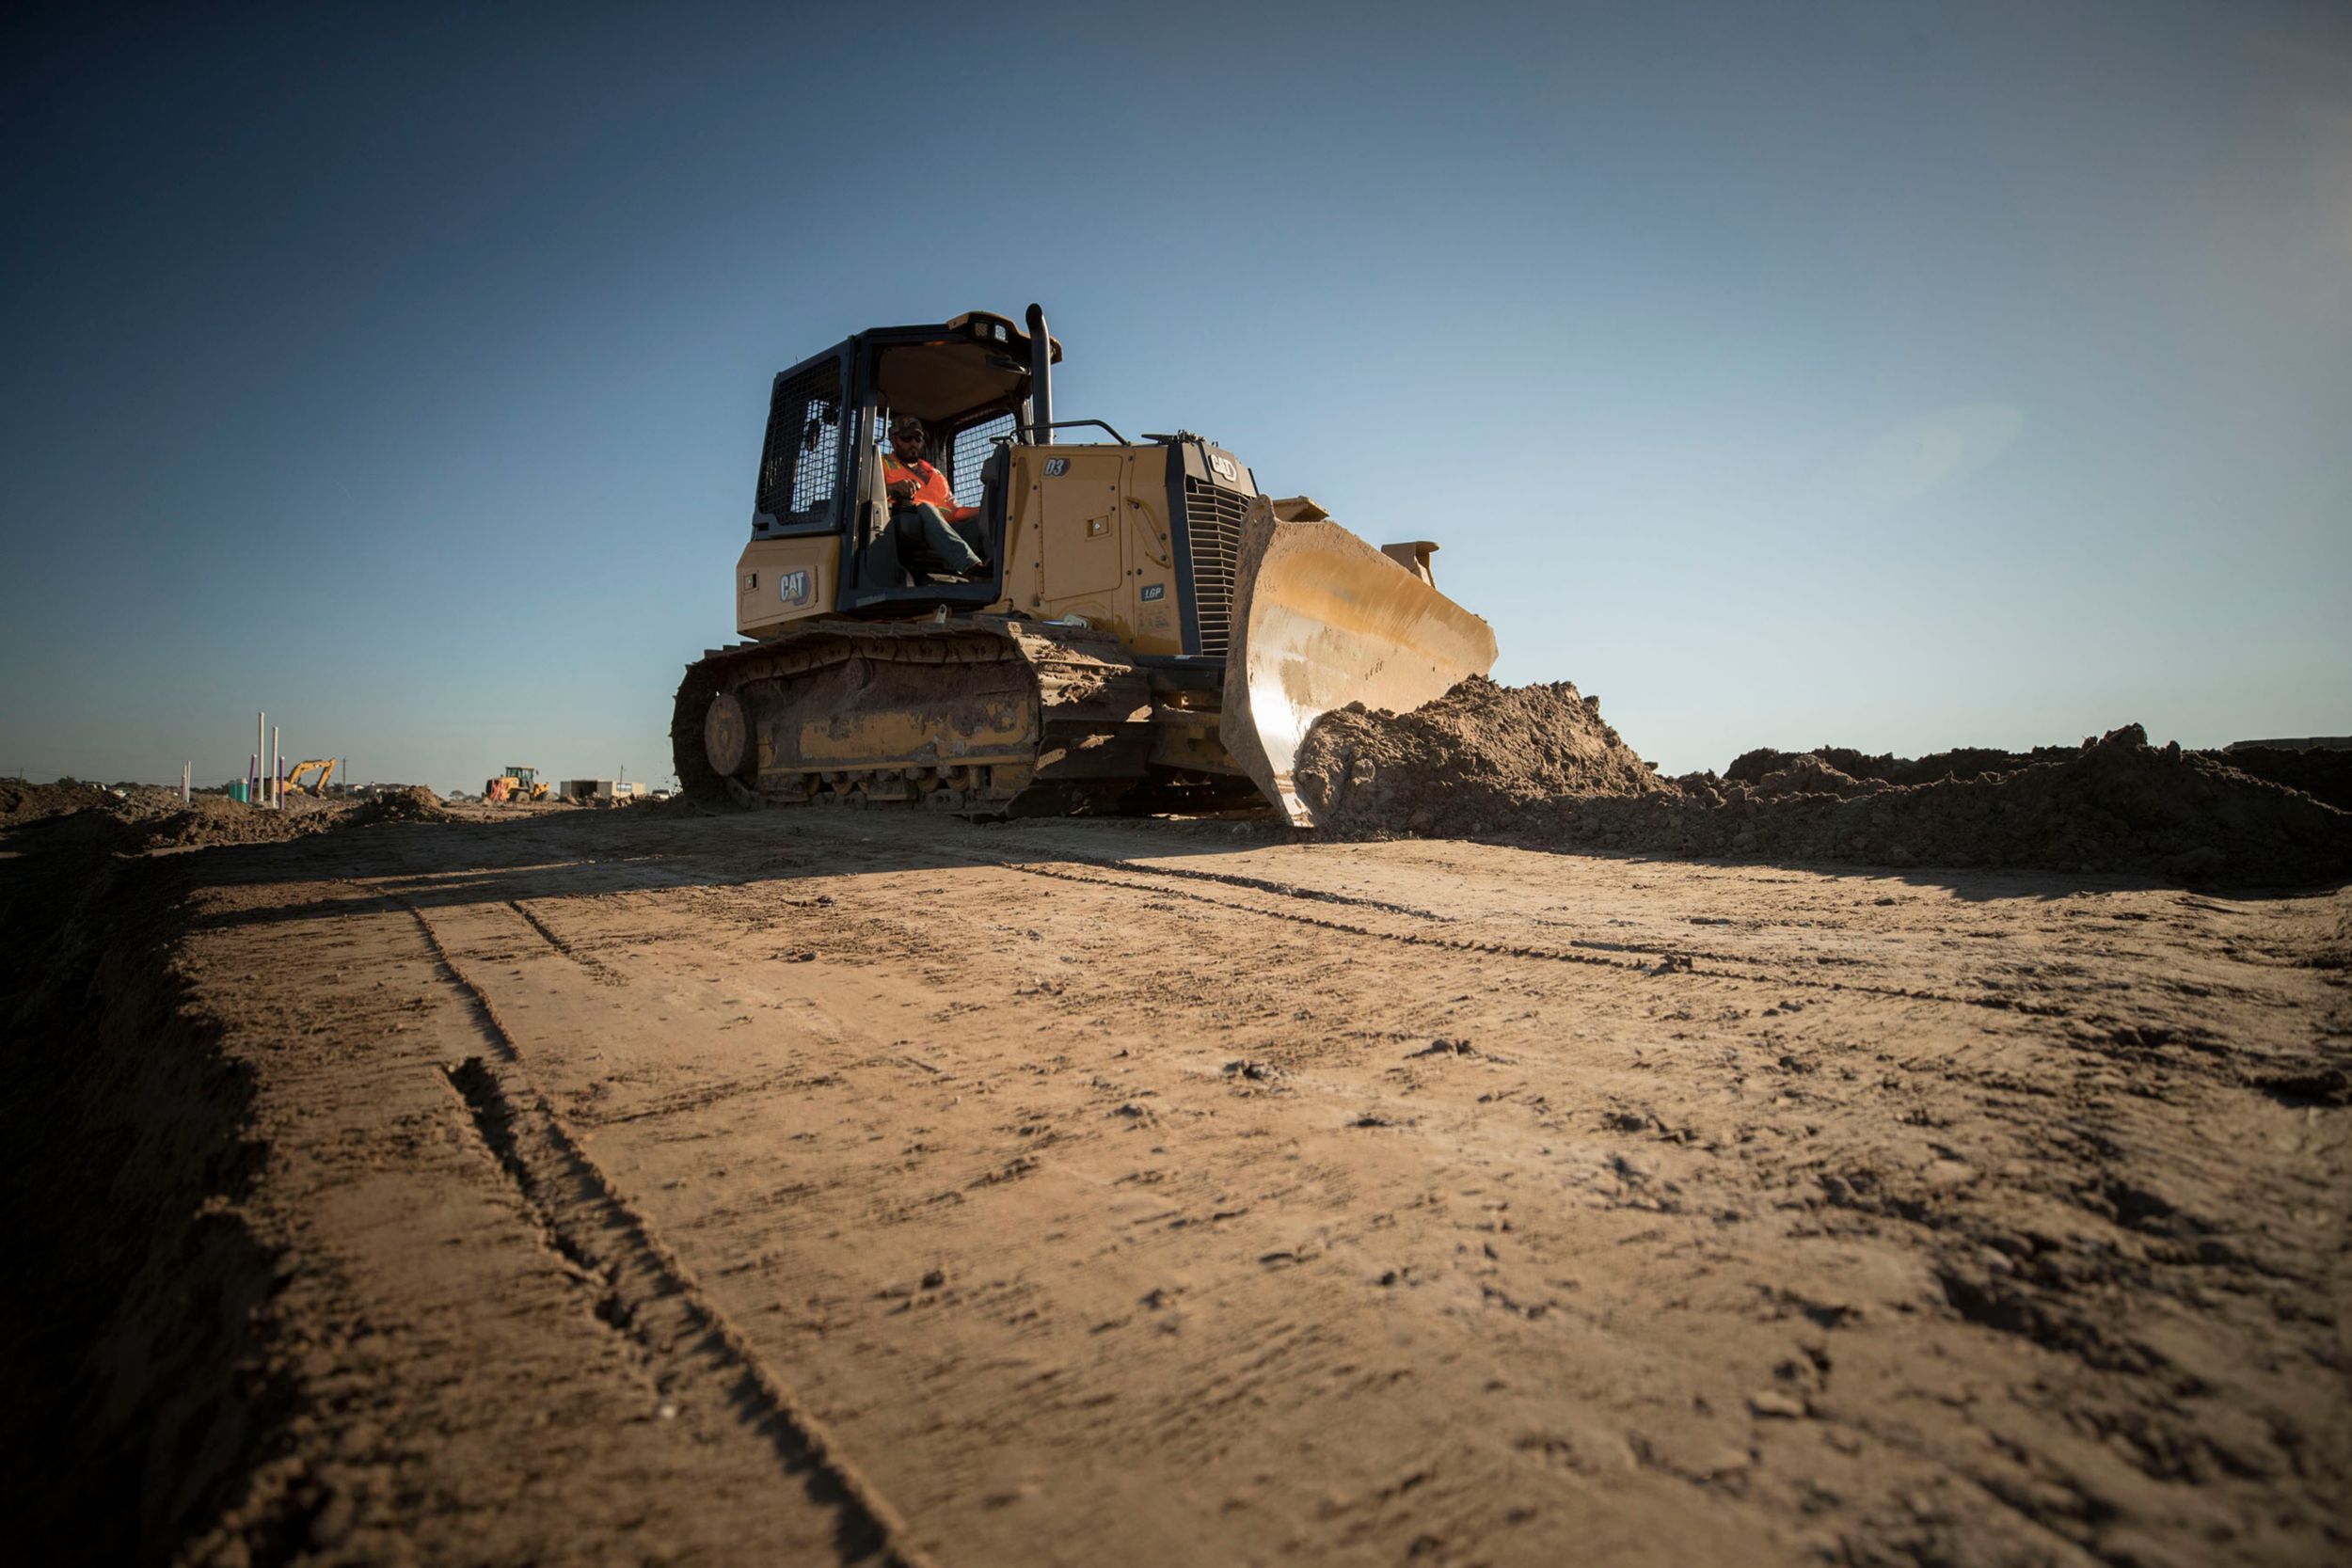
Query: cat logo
{"x": 1224, "y": 467}
{"x": 792, "y": 587}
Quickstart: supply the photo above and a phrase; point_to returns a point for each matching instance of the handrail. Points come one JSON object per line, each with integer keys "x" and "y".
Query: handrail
{"x": 1032, "y": 429}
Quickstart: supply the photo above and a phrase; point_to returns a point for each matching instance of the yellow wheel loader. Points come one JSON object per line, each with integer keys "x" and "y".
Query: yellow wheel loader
{"x": 515, "y": 785}
{"x": 1147, "y": 630}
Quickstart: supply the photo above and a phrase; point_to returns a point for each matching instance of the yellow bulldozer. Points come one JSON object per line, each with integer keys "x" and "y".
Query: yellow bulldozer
{"x": 1147, "y": 630}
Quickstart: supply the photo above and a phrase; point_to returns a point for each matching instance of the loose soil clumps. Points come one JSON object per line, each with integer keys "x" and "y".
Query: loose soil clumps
{"x": 1473, "y": 761}
{"x": 1488, "y": 761}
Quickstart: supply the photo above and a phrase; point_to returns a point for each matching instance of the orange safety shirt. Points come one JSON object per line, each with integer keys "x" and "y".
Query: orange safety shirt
{"x": 931, "y": 487}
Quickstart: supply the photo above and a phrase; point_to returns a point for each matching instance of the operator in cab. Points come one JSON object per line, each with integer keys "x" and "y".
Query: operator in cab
{"x": 920, "y": 499}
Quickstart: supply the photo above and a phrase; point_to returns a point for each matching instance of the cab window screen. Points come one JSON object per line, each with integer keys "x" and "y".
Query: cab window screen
{"x": 972, "y": 446}
{"x": 800, "y": 469}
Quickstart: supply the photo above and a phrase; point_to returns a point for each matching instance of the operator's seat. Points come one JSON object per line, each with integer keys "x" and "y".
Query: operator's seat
{"x": 986, "y": 530}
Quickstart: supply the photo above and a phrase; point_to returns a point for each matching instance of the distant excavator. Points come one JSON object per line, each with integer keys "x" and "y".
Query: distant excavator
{"x": 312, "y": 778}
{"x": 1149, "y": 630}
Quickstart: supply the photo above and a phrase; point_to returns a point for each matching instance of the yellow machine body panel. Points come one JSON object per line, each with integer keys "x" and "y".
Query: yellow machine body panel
{"x": 1087, "y": 534}
{"x": 781, "y": 580}
{"x": 994, "y": 731}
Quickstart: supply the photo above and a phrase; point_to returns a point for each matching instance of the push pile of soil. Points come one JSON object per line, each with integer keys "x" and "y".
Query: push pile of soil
{"x": 1537, "y": 766}
{"x": 1470, "y": 761}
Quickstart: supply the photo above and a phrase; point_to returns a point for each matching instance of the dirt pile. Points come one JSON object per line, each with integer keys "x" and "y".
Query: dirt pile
{"x": 210, "y": 820}
{"x": 21, "y": 801}
{"x": 148, "y": 817}
{"x": 1474, "y": 761}
{"x": 1967, "y": 762}
{"x": 2324, "y": 774}
{"x": 1456, "y": 769}
{"x": 404, "y": 803}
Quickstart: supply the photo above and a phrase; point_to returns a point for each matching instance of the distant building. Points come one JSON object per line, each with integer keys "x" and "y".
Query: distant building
{"x": 590, "y": 791}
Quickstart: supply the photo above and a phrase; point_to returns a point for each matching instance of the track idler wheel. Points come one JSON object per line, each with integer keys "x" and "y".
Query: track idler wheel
{"x": 726, "y": 735}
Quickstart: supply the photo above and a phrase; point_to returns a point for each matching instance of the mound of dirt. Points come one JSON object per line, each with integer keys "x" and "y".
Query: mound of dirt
{"x": 2322, "y": 772}
{"x": 1486, "y": 761}
{"x": 210, "y": 820}
{"x": 21, "y": 801}
{"x": 1967, "y": 762}
{"x": 149, "y": 817}
{"x": 1470, "y": 761}
{"x": 406, "y": 803}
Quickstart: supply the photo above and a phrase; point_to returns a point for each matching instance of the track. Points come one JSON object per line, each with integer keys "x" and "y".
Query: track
{"x": 983, "y": 716}
{"x": 1070, "y": 1193}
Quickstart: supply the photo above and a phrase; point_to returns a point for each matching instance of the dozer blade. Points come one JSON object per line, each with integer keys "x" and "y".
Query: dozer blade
{"x": 1321, "y": 619}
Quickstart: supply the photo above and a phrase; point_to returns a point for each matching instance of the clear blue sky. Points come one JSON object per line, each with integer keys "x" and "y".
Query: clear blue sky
{"x": 1898, "y": 376}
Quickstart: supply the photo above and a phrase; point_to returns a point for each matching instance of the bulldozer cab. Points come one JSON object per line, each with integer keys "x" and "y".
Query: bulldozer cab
{"x": 969, "y": 381}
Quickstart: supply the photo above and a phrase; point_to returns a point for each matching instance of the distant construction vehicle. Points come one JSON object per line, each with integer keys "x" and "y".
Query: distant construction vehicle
{"x": 1146, "y": 629}
{"x": 312, "y": 777}
{"x": 515, "y": 785}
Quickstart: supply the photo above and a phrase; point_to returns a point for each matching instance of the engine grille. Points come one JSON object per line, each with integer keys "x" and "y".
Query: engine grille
{"x": 1213, "y": 519}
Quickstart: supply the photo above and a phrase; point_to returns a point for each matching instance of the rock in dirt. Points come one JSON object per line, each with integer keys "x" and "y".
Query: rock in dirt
{"x": 1537, "y": 766}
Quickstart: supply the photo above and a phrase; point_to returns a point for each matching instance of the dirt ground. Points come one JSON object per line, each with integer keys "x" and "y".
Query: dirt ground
{"x": 814, "y": 1187}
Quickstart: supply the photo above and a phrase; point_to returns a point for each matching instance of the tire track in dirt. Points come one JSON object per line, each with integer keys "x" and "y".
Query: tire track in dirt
{"x": 2089, "y": 1022}
{"x": 2095, "y": 1028}
{"x": 1667, "y": 960}
{"x": 647, "y": 1294}
{"x": 1659, "y": 959}
{"x": 596, "y": 970}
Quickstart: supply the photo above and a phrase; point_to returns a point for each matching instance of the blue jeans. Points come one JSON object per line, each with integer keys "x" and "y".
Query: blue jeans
{"x": 944, "y": 539}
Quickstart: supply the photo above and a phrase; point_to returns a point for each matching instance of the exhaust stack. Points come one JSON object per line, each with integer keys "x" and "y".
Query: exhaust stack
{"x": 1040, "y": 378}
